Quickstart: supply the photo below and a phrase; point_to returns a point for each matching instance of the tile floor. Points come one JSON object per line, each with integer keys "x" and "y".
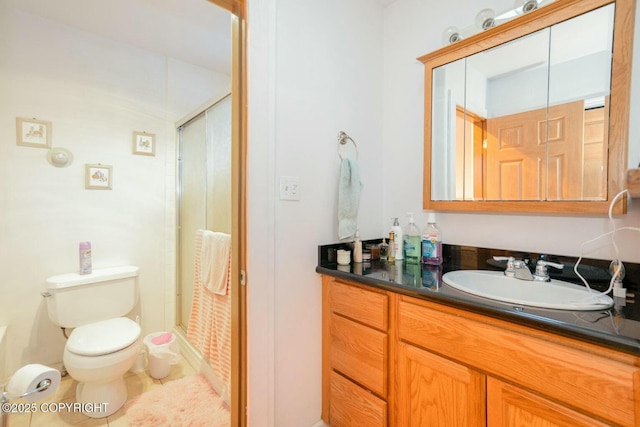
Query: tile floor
{"x": 137, "y": 383}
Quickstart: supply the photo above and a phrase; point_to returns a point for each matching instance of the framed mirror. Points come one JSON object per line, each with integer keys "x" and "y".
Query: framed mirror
{"x": 532, "y": 115}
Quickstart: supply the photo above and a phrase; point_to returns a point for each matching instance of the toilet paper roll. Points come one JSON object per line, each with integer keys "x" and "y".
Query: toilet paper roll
{"x": 29, "y": 378}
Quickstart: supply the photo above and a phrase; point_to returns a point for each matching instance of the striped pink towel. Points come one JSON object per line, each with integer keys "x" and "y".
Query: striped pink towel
{"x": 209, "y": 328}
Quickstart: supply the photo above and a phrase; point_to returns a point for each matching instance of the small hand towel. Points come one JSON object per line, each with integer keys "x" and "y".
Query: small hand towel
{"x": 348, "y": 197}
{"x": 214, "y": 261}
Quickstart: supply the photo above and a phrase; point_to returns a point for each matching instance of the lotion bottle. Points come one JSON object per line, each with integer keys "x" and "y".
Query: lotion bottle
{"x": 357, "y": 248}
{"x": 392, "y": 252}
{"x": 397, "y": 238}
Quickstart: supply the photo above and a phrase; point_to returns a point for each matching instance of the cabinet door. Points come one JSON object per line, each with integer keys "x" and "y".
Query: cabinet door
{"x": 352, "y": 406}
{"x": 509, "y": 406}
{"x": 436, "y": 392}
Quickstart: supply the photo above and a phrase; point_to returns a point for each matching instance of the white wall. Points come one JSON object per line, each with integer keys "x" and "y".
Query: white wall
{"x": 410, "y": 33}
{"x": 314, "y": 70}
{"x": 317, "y": 67}
{"x": 96, "y": 92}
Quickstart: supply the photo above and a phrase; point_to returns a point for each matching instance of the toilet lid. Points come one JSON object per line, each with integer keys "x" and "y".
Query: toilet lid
{"x": 103, "y": 337}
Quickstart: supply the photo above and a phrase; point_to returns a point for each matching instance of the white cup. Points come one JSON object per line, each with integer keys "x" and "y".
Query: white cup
{"x": 344, "y": 257}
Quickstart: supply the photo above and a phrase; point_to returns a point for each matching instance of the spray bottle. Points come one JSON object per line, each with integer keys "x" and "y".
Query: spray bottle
{"x": 85, "y": 257}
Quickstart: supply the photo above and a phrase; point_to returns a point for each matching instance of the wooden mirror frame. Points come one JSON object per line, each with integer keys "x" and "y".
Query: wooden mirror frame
{"x": 238, "y": 209}
{"x": 536, "y": 20}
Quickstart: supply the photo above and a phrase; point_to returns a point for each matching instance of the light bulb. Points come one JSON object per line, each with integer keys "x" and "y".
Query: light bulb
{"x": 59, "y": 157}
{"x": 525, "y": 6}
{"x": 451, "y": 35}
{"x": 485, "y": 19}
{"x": 616, "y": 268}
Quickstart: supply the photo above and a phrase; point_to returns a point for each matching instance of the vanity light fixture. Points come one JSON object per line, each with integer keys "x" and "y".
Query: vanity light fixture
{"x": 451, "y": 35}
{"x": 485, "y": 19}
{"x": 525, "y": 6}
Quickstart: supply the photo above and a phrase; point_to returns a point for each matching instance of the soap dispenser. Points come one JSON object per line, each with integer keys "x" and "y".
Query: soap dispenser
{"x": 397, "y": 238}
{"x": 412, "y": 242}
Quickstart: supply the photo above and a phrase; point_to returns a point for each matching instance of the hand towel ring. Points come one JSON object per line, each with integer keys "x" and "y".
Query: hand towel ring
{"x": 342, "y": 139}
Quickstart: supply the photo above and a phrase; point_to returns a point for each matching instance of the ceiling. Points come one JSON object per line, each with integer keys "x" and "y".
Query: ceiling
{"x": 194, "y": 31}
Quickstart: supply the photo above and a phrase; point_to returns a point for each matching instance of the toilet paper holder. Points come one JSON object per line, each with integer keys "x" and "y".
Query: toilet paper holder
{"x": 5, "y": 398}
{"x": 42, "y": 386}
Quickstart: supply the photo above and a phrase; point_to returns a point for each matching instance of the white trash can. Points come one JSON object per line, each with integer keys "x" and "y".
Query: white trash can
{"x": 162, "y": 351}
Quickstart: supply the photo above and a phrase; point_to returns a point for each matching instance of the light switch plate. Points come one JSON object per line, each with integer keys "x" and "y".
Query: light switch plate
{"x": 289, "y": 188}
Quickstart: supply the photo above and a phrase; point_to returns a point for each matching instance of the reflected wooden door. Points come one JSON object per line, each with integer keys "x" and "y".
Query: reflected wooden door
{"x": 596, "y": 129}
{"x": 470, "y": 135}
{"x": 522, "y": 163}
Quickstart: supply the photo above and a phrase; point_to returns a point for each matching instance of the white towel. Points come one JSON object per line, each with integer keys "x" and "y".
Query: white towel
{"x": 215, "y": 253}
{"x": 348, "y": 198}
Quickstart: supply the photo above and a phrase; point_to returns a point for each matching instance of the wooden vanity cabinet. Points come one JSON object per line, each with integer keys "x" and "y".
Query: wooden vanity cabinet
{"x": 532, "y": 378}
{"x": 355, "y": 355}
{"x": 391, "y": 359}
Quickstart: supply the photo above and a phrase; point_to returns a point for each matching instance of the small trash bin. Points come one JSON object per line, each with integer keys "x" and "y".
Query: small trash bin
{"x": 162, "y": 351}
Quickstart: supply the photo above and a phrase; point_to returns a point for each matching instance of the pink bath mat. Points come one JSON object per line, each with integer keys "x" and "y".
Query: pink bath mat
{"x": 187, "y": 402}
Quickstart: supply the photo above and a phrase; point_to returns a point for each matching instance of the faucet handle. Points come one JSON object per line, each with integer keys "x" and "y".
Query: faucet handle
{"x": 541, "y": 274}
{"x": 511, "y": 265}
{"x": 551, "y": 264}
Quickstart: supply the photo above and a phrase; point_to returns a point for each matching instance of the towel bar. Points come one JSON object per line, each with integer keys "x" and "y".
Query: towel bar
{"x": 343, "y": 138}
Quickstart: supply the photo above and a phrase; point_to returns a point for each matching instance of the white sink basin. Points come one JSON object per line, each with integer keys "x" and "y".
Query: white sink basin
{"x": 555, "y": 294}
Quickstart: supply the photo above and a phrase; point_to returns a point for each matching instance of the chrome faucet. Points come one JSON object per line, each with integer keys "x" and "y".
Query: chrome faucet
{"x": 519, "y": 269}
{"x": 516, "y": 268}
{"x": 541, "y": 274}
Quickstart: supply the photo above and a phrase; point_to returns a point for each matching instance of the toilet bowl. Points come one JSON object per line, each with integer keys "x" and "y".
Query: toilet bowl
{"x": 98, "y": 355}
{"x": 104, "y": 344}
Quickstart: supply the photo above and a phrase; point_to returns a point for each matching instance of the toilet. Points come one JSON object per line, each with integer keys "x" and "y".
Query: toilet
{"x": 104, "y": 344}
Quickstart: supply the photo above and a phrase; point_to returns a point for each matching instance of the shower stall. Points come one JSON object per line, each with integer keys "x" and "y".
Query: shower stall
{"x": 204, "y": 202}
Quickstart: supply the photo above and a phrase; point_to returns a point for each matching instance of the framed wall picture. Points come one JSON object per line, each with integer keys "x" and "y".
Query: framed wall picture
{"x": 144, "y": 143}
{"x": 97, "y": 177}
{"x": 33, "y": 133}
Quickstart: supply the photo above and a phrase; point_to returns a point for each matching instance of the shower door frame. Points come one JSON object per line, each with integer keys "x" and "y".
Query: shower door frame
{"x": 238, "y": 209}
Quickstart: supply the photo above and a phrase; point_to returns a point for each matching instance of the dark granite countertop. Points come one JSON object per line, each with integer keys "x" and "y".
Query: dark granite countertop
{"x": 617, "y": 328}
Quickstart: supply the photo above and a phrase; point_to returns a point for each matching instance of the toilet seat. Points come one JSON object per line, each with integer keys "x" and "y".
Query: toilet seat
{"x": 104, "y": 337}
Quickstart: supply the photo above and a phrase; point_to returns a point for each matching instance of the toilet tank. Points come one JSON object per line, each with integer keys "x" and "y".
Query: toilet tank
{"x": 78, "y": 299}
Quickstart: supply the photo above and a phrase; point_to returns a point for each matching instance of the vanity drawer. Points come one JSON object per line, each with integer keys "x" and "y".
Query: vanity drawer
{"x": 353, "y": 406}
{"x": 361, "y": 305}
{"x": 597, "y": 384}
{"x": 360, "y": 353}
